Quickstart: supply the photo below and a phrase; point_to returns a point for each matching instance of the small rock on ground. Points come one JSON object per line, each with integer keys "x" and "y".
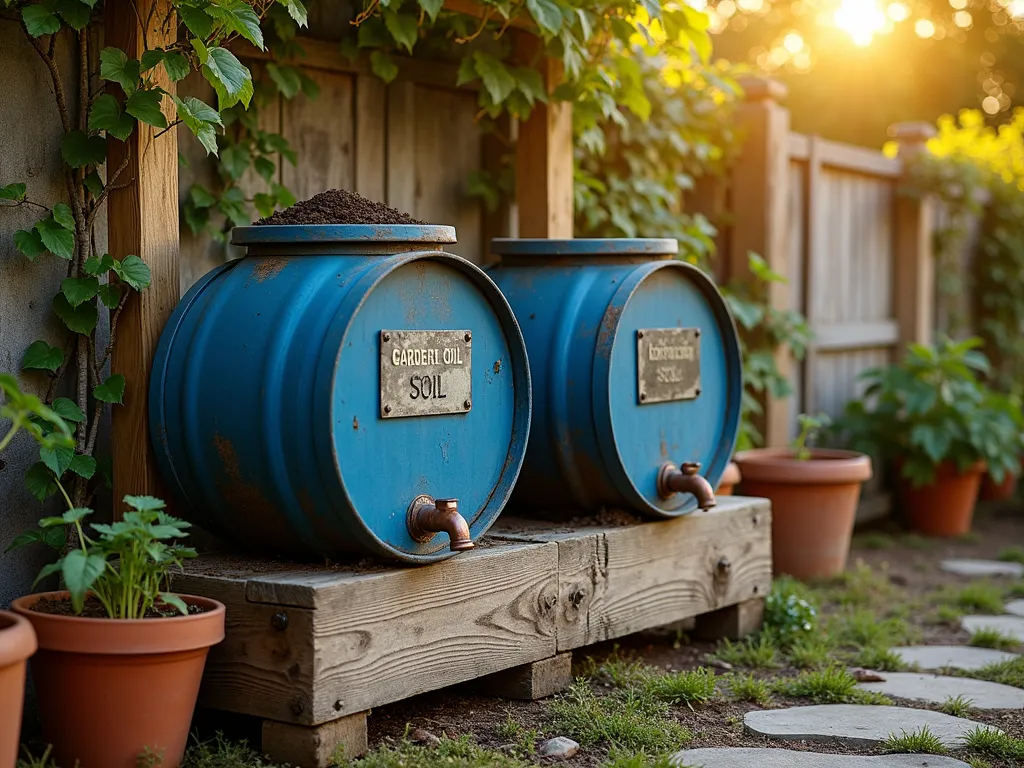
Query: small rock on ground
{"x": 1016, "y": 607}
{"x": 968, "y": 567}
{"x": 1008, "y": 625}
{"x": 935, "y": 689}
{"x": 558, "y": 747}
{"x": 786, "y": 758}
{"x": 962, "y": 657}
{"x": 856, "y": 725}
{"x": 424, "y": 738}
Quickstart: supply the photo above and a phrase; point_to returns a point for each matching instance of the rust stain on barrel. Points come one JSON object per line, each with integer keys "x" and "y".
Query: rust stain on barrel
{"x": 269, "y": 267}
{"x": 242, "y": 495}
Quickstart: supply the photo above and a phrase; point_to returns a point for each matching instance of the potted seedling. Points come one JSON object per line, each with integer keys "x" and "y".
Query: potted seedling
{"x": 934, "y": 421}
{"x": 814, "y": 494}
{"x": 120, "y": 656}
{"x": 26, "y": 413}
{"x": 1003, "y": 490}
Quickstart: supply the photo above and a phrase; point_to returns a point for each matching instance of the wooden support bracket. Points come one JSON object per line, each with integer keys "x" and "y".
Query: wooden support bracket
{"x": 316, "y": 746}
{"x": 536, "y": 680}
{"x": 732, "y": 623}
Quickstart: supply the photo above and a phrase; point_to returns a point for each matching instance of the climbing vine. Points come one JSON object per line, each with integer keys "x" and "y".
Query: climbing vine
{"x": 117, "y": 96}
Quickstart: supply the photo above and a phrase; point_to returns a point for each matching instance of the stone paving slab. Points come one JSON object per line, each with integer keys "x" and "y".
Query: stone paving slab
{"x": 856, "y": 725}
{"x": 935, "y": 689}
{"x": 1016, "y": 607}
{"x": 1008, "y": 625}
{"x": 748, "y": 757}
{"x": 962, "y": 657}
{"x": 969, "y": 567}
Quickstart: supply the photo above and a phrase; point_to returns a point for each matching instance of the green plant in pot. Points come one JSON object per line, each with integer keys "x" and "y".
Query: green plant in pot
{"x": 120, "y": 656}
{"x": 933, "y": 420}
{"x": 814, "y": 494}
{"x": 23, "y": 413}
{"x": 1005, "y": 489}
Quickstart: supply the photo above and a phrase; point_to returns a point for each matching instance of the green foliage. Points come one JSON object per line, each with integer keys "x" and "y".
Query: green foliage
{"x": 620, "y": 758}
{"x": 27, "y": 412}
{"x": 746, "y": 687}
{"x": 1010, "y": 672}
{"x": 994, "y": 743}
{"x": 921, "y": 741}
{"x": 990, "y": 637}
{"x": 461, "y": 752}
{"x": 933, "y": 408}
{"x": 957, "y": 706}
{"x": 978, "y": 597}
{"x": 832, "y": 685}
{"x": 1014, "y": 554}
{"x": 809, "y": 428}
{"x": 126, "y": 565}
{"x": 788, "y": 614}
{"x": 617, "y": 669}
{"x": 812, "y": 651}
{"x": 754, "y": 652}
{"x": 522, "y": 741}
{"x": 696, "y": 686}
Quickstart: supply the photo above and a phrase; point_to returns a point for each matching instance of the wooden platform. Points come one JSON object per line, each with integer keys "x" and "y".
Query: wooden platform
{"x": 310, "y": 649}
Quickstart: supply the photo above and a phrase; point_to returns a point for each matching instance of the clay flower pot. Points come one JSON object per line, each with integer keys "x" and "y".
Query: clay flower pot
{"x": 814, "y": 503}
{"x": 110, "y": 689}
{"x": 17, "y": 643}
{"x": 730, "y": 479}
{"x": 993, "y": 491}
{"x": 945, "y": 507}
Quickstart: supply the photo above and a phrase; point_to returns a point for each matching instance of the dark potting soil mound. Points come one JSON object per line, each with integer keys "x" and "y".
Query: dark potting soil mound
{"x": 93, "y": 609}
{"x": 339, "y": 206}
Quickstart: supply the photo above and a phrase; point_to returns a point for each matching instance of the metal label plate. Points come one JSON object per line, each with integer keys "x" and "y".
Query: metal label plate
{"x": 425, "y": 373}
{"x": 667, "y": 364}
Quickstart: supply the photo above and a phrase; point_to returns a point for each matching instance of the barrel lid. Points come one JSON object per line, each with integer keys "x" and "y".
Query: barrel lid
{"x": 280, "y": 234}
{"x": 585, "y": 246}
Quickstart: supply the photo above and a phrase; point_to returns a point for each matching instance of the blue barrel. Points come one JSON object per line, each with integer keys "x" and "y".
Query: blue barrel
{"x": 342, "y": 390}
{"x": 636, "y": 370}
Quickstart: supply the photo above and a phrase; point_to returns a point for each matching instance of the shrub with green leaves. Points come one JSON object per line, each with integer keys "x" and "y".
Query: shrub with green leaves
{"x": 788, "y": 614}
{"x": 934, "y": 408}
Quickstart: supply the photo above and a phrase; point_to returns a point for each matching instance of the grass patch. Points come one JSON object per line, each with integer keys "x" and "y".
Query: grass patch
{"x": 860, "y": 586}
{"x": 977, "y": 597}
{"x": 746, "y": 687}
{"x": 619, "y": 758}
{"x": 922, "y": 741}
{"x": 957, "y": 706}
{"x": 993, "y": 743}
{"x": 878, "y": 658}
{"x": 617, "y": 669}
{"x": 917, "y": 541}
{"x": 946, "y": 614}
{"x": 1015, "y": 590}
{"x": 874, "y": 540}
{"x": 978, "y": 762}
{"x": 1009, "y": 672}
{"x": 811, "y": 651}
{"x": 629, "y": 719}
{"x": 832, "y": 685}
{"x": 758, "y": 652}
{"x": 452, "y": 753}
{"x": 691, "y": 687}
{"x": 522, "y": 741}
{"x": 221, "y": 752}
{"x": 1013, "y": 554}
{"x": 863, "y": 628}
{"x": 989, "y": 637}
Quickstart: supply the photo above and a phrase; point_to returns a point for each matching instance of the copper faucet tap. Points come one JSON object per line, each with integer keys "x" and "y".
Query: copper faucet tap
{"x": 685, "y": 479}
{"x": 429, "y": 516}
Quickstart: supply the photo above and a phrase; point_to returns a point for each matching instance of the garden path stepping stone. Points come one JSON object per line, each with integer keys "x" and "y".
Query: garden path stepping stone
{"x": 856, "y": 725}
{"x": 968, "y": 567}
{"x": 1016, "y": 607}
{"x": 937, "y": 688}
{"x": 745, "y": 757}
{"x": 1008, "y": 625}
{"x": 952, "y": 656}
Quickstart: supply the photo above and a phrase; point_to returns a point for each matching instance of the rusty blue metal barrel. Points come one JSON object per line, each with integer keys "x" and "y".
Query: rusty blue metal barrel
{"x": 343, "y": 390}
{"x": 636, "y": 373}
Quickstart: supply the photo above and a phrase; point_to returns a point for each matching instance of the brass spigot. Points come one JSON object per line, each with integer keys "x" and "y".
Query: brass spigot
{"x": 685, "y": 479}
{"x": 428, "y": 516}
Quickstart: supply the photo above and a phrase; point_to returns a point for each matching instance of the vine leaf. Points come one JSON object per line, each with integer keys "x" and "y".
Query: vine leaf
{"x": 68, "y": 410}
{"x": 238, "y": 17}
{"x": 530, "y": 84}
{"x": 83, "y": 466}
{"x": 201, "y": 119}
{"x": 111, "y": 390}
{"x": 383, "y": 66}
{"x": 57, "y": 458}
{"x": 236, "y": 159}
{"x": 432, "y": 7}
{"x": 228, "y": 76}
{"x": 79, "y": 289}
{"x": 40, "y": 356}
{"x": 97, "y": 265}
{"x": 75, "y": 13}
{"x": 58, "y": 240}
{"x": 403, "y": 27}
{"x": 40, "y": 20}
{"x": 145, "y": 106}
{"x": 29, "y": 243}
{"x": 15, "y": 192}
{"x": 150, "y": 59}
{"x": 39, "y": 481}
{"x": 106, "y": 115}
{"x": 286, "y": 78}
{"x": 94, "y": 183}
{"x": 196, "y": 20}
{"x": 118, "y": 68}
{"x": 265, "y": 203}
{"x": 467, "y": 71}
{"x": 265, "y": 167}
{"x": 296, "y": 10}
{"x": 133, "y": 271}
{"x": 549, "y": 16}
{"x": 63, "y": 216}
{"x": 80, "y": 150}
{"x": 110, "y": 294}
{"x": 495, "y": 76}
{"x": 52, "y": 537}
{"x": 201, "y": 196}
{"x": 176, "y": 66}
{"x": 79, "y": 572}
{"x": 80, "y": 319}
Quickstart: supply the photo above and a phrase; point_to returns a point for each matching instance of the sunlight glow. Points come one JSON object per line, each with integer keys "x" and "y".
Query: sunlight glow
{"x": 924, "y": 28}
{"x": 990, "y": 105}
{"x": 793, "y": 42}
{"x": 1015, "y": 8}
{"x": 860, "y": 19}
{"x": 963, "y": 19}
{"x": 898, "y": 11}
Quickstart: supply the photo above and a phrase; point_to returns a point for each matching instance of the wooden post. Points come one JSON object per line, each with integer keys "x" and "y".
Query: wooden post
{"x": 142, "y": 219}
{"x": 544, "y": 162}
{"x": 914, "y": 282}
{"x": 759, "y": 198}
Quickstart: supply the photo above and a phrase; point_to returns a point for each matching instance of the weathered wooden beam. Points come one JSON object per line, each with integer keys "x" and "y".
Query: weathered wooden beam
{"x": 316, "y": 746}
{"x": 529, "y": 682}
{"x": 142, "y": 219}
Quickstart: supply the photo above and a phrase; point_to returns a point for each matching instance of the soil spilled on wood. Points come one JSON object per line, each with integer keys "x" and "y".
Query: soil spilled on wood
{"x": 339, "y": 206}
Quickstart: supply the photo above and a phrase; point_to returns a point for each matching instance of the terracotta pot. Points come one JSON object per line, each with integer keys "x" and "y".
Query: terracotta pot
{"x": 109, "y": 689}
{"x": 730, "y": 479}
{"x": 814, "y": 503}
{"x": 17, "y": 643}
{"x": 992, "y": 491}
{"x": 944, "y": 508}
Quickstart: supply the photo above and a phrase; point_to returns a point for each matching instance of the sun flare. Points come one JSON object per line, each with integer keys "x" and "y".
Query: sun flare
{"x": 860, "y": 19}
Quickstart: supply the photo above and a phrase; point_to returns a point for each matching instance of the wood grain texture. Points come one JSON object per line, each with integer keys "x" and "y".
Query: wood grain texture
{"x": 731, "y": 623}
{"x": 529, "y": 682}
{"x": 142, "y": 219}
{"x": 315, "y": 746}
{"x": 321, "y": 131}
{"x": 370, "y": 154}
{"x": 401, "y": 146}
